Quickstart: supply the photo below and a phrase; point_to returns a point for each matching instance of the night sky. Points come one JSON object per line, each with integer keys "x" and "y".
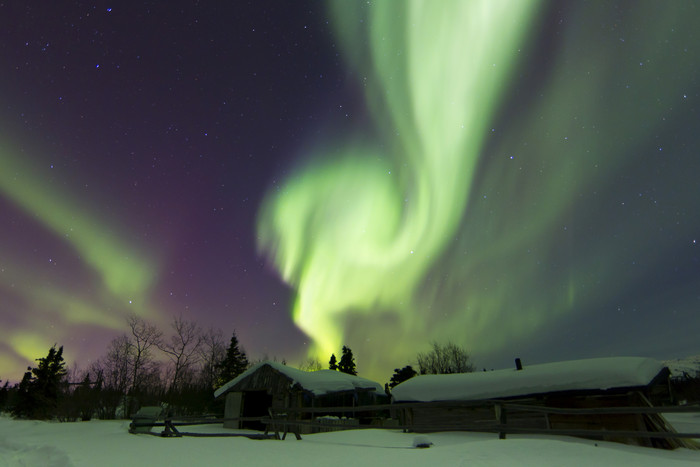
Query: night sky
{"x": 520, "y": 178}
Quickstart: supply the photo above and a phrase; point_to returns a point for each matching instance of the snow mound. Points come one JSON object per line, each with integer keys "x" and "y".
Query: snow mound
{"x": 594, "y": 373}
{"x": 18, "y": 454}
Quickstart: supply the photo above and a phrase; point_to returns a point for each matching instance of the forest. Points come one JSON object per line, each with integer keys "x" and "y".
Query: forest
{"x": 178, "y": 370}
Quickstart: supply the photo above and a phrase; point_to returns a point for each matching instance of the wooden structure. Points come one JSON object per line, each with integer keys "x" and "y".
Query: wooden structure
{"x": 144, "y": 419}
{"x": 271, "y": 386}
{"x": 473, "y": 400}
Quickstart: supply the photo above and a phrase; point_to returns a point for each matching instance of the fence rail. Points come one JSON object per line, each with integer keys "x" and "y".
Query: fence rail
{"x": 280, "y": 422}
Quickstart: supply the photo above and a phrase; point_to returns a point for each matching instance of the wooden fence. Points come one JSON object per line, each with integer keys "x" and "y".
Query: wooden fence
{"x": 500, "y": 423}
{"x": 280, "y": 422}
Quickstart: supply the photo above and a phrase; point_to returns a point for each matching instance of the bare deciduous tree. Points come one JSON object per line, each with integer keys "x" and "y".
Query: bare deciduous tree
{"x": 211, "y": 353}
{"x": 114, "y": 372}
{"x": 445, "y": 359}
{"x": 144, "y": 368}
{"x": 311, "y": 364}
{"x": 182, "y": 349}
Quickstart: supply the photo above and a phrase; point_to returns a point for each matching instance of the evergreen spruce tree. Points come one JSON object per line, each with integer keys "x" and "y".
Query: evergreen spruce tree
{"x": 235, "y": 363}
{"x": 47, "y": 382}
{"x": 40, "y": 388}
{"x": 333, "y": 364}
{"x": 401, "y": 375}
{"x": 24, "y": 400}
{"x": 4, "y": 396}
{"x": 347, "y": 362}
{"x": 84, "y": 396}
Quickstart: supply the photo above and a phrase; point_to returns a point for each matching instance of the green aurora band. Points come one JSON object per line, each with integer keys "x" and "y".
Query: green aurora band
{"x": 356, "y": 233}
{"x": 122, "y": 270}
{"x": 125, "y": 274}
{"x": 516, "y": 188}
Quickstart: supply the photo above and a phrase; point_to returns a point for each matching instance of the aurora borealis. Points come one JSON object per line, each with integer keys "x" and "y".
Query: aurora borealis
{"x": 521, "y": 178}
{"x": 342, "y": 230}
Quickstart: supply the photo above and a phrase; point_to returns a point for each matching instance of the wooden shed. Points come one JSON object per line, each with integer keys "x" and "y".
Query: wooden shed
{"x": 274, "y": 385}
{"x": 472, "y": 400}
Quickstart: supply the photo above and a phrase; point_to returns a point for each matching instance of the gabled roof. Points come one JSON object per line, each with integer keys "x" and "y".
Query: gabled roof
{"x": 589, "y": 374}
{"x": 317, "y": 382}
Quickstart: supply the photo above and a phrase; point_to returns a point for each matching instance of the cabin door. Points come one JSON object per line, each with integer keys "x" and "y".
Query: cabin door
{"x": 255, "y": 404}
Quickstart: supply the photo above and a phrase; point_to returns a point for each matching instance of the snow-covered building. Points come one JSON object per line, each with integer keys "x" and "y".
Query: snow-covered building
{"x": 685, "y": 379}
{"x": 274, "y": 385}
{"x": 462, "y": 400}
{"x": 684, "y": 368}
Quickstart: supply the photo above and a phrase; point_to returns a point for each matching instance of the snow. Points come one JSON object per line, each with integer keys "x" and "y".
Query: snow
{"x": 684, "y": 367}
{"x": 107, "y": 443}
{"x": 318, "y": 382}
{"x": 594, "y": 373}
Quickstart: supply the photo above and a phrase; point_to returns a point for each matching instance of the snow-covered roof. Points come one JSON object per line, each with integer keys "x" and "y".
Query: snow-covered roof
{"x": 684, "y": 367}
{"x": 318, "y": 382}
{"x": 589, "y": 374}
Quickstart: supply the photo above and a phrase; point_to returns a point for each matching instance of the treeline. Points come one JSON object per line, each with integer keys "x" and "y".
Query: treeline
{"x": 440, "y": 359}
{"x": 178, "y": 372}
{"x": 141, "y": 367}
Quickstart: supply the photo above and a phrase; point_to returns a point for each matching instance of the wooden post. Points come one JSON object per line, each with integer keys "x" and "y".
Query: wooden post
{"x": 297, "y": 432}
{"x": 273, "y": 424}
{"x": 500, "y": 410}
{"x": 170, "y": 429}
{"x": 297, "y": 397}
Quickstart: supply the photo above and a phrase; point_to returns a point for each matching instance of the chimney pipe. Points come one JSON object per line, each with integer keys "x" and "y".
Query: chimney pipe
{"x": 518, "y": 364}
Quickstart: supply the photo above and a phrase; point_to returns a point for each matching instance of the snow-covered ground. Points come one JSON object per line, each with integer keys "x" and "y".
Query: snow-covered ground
{"x": 108, "y": 443}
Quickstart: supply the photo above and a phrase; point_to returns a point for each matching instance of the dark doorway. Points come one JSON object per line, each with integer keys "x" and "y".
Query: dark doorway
{"x": 255, "y": 404}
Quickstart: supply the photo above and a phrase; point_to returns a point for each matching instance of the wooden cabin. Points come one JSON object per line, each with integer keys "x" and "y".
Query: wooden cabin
{"x": 277, "y": 386}
{"x": 473, "y": 401}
